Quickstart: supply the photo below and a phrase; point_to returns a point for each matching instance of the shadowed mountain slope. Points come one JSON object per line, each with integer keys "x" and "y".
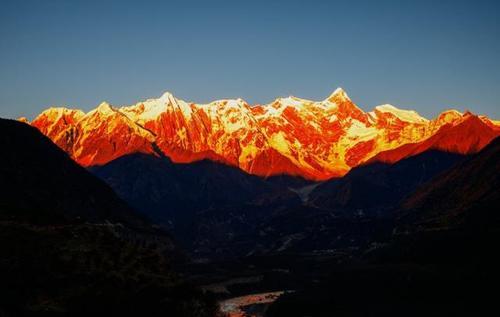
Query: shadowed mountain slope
{"x": 468, "y": 194}
{"x": 441, "y": 260}
{"x": 377, "y": 188}
{"x": 39, "y": 178}
{"x": 70, "y": 246}
{"x": 217, "y": 210}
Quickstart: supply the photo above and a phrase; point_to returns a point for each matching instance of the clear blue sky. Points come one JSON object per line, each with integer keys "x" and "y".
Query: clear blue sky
{"x": 427, "y": 56}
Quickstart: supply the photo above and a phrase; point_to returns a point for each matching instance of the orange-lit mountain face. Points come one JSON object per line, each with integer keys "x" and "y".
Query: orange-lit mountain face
{"x": 316, "y": 140}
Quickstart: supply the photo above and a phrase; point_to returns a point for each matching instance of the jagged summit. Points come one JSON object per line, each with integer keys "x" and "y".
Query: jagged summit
{"x": 105, "y": 108}
{"x": 167, "y": 95}
{"x": 337, "y": 94}
{"x": 294, "y": 136}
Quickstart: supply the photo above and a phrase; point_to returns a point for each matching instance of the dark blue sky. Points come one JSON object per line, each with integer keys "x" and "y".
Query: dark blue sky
{"x": 427, "y": 56}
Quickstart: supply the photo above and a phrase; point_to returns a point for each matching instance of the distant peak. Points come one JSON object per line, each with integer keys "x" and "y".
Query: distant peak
{"x": 387, "y": 108}
{"x": 452, "y": 112}
{"x": 104, "y": 105}
{"x": 449, "y": 116}
{"x": 57, "y": 109}
{"x": 404, "y": 115}
{"x": 167, "y": 96}
{"x": 471, "y": 118}
{"x": 105, "y": 108}
{"x": 238, "y": 102}
{"x": 291, "y": 101}
{"x": 338, "y": 91}
{"x": 56, "y": 112}
{"x": 337, "y": 94}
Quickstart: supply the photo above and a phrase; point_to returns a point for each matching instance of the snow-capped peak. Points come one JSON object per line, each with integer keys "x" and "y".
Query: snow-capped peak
{"x": 337, "y": 94}
{"x": 53, "y": 113}
{"x": 104, "y": 107}
{"x": 56, "y": 110}
{"x": 293, "y": 101}
{"x": 404, "y": 115}
{"x": 235, "y": 103}
{"x": 452, "y": 112}
{"x": 166, "y": 97}
{"x": 151, "y": 108}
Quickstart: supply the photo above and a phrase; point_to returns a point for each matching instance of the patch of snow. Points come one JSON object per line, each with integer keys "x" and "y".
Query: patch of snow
{"x": 339, "y": 93}
{"x": 360, "y": 131}
{"x": 405, "y": 115}
{"x": 333, "y": 118}
{"x": 279, "y": 142}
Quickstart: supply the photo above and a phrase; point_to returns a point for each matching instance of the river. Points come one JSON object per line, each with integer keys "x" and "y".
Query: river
{"x": 253, "y": 305}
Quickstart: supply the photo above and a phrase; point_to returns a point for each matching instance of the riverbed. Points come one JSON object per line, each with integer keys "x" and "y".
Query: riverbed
{"x": 252, "y": 305}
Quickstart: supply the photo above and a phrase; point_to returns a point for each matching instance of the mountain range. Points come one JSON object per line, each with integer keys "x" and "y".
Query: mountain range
{"x": 316, "y": 140}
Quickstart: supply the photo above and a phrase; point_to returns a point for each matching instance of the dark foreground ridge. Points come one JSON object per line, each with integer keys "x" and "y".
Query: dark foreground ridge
{"x": 69, "y": 245}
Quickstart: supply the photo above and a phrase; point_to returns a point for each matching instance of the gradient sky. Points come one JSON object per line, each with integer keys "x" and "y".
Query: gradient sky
{"x": 426, "y": 56}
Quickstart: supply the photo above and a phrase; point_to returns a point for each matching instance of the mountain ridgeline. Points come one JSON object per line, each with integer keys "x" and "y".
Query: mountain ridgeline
{"x": 316, "y": 140}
